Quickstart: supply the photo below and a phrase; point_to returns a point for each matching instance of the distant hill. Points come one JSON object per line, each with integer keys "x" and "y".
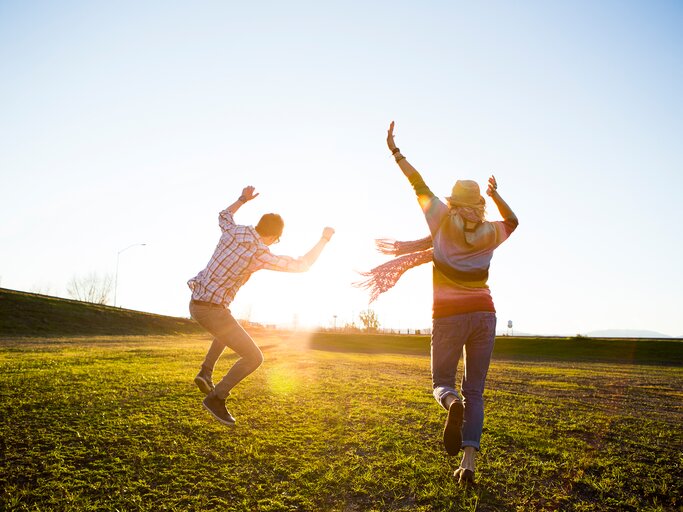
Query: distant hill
{"x": 31, "y": 314}
{"x": 606, "y": 333}
{"x": 626, "y": 333}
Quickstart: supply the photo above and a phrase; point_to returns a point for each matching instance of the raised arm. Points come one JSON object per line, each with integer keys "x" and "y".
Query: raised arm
{"x": 271, "y": 261}
{"x": 311, "y": 256}
{"x": 405, "y": 166}
{"x": 505, "y": 211}
{"x": 432, "y": 207}
{"x": 247, "y": 195}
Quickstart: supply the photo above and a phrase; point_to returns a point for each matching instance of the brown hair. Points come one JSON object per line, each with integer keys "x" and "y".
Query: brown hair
{"x": 271, "y": 224}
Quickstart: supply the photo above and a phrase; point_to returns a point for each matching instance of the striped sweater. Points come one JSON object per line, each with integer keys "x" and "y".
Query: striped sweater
{"x": 461, "y": 255}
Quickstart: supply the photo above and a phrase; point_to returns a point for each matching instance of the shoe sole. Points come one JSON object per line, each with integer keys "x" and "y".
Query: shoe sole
{"x": 452, "y": 431}
{"x": 203, "y": 385}
{"x": 220, "y": 420}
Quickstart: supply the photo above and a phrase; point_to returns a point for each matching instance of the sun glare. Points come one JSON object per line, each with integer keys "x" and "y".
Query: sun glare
{"x": 290, "y": 378}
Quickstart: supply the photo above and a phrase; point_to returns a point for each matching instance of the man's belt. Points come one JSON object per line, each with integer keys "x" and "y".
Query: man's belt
{"x": 207, "y": 304}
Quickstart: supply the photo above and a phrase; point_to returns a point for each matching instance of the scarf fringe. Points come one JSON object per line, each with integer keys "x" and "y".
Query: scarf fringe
{"x": 407, "y": 255}
{"x": 384, "y": 277}
{"x": 395, "y": 248}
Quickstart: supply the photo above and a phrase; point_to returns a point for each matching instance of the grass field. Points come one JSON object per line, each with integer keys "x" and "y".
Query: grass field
{"x": 115, "y": 423}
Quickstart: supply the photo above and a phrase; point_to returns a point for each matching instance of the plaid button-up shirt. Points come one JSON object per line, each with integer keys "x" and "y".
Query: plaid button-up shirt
{"x": 239, "y": 253}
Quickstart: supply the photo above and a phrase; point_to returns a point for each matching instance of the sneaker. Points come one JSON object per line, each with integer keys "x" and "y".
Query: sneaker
{"x": 216, "y": 407}
{"x": 452, "y": 431}
{"x": 203, "y": 381}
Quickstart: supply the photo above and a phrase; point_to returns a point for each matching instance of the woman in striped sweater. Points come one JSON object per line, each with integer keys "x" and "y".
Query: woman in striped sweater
{"x": 460, "y": 246}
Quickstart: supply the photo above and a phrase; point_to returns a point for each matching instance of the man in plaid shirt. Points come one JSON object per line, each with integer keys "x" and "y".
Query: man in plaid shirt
{"x": 241, "y": 251}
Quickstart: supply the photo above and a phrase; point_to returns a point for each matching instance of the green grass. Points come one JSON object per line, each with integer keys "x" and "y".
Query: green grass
{"x": 115, "y": 423}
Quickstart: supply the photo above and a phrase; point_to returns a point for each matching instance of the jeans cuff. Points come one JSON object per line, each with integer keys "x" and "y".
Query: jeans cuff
{"x": 441, "y": 392}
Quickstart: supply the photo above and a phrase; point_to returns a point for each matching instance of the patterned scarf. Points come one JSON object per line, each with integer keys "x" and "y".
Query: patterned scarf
{"x": 408, "y": 255}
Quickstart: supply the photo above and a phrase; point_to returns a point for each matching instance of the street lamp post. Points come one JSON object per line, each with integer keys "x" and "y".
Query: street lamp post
{"x": 116, "y": 278}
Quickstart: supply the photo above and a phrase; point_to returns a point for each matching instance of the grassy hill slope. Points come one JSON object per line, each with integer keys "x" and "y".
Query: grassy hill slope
{"x": 30, "y": 314}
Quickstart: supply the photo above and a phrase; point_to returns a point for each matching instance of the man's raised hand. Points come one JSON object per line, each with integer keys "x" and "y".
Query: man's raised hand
{"x": 327, "y": 233}
{"x": 248, "y": 193}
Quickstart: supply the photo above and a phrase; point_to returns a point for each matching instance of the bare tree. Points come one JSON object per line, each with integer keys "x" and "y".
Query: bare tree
{"x": 90, "y": 288}
{"x": 369, "y": 320}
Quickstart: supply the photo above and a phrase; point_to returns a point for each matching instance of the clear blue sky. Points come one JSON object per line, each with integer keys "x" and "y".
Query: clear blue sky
{"x": 128, "y": 122}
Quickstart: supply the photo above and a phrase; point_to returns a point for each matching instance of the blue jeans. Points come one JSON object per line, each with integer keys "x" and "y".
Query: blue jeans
{"x": 475, "y": 332}
{"x": 227, "y": 333}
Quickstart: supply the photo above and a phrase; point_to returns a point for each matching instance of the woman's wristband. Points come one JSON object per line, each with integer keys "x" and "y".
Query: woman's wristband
{"x": 398, "y": 157}
{"x": 243, "y": 199}
{"x": 395, "y": 150}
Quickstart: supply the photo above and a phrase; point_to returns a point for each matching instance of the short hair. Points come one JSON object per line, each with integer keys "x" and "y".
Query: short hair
{"x": 271, "y": 224}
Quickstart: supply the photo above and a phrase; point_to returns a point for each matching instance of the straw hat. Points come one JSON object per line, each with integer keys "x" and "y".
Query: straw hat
{"x": 465, "y": 193}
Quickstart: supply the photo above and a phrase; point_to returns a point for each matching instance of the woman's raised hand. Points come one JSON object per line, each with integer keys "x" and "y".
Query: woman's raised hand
{"x": 493, "y": 186}
{"x": 390, "y": 137}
